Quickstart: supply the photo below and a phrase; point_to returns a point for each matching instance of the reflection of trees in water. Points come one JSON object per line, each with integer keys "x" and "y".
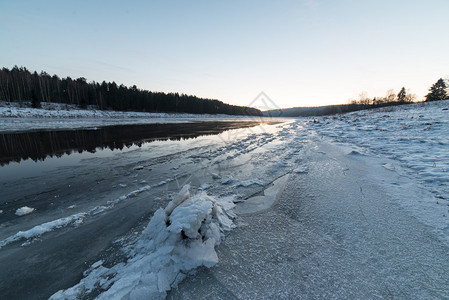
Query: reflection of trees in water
{"x": 38, "y": 145}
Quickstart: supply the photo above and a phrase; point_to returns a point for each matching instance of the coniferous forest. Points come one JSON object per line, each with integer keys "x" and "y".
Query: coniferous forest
{"x": 19, "y": 85}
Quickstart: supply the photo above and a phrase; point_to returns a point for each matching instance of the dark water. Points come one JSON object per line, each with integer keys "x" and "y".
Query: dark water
{"x": 55, "y": 173}
{"x": 63, "y": 182}
{"x": 39, "y": 145}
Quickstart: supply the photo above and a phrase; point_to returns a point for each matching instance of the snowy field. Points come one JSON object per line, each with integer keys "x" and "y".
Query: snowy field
{"x": 416, "y": 139}
{"x": 349, "y": 206}
{"x": 62, "y": 116}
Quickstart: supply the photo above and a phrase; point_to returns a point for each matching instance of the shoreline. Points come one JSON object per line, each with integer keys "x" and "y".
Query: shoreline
{"x": 57, "y": 116}
{"x": 327, "y": 235}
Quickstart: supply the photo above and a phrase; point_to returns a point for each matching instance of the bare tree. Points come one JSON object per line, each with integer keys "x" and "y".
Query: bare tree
{"x": 409, "y": 98}
{"x": 364, "y": 99}
{"x": 390, "y": 96}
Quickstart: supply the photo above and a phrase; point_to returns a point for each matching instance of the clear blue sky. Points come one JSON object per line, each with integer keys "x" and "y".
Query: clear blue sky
{"x": 300, "y": 53}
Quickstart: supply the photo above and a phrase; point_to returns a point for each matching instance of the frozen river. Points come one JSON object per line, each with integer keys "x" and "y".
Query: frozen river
{"x": 86, "y": 200}
{"x": 324, "y": 208}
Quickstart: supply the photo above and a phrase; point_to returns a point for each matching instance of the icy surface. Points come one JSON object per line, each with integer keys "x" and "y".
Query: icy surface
{"x": 349, "y": 228}
{"x": 349, "y": 206}
{"x": 75, "y": 219}
{"x": 178, "y": 239}
{"x": 259, "y": 203}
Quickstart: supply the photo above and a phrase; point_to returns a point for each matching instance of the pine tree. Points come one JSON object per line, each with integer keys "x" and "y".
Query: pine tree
{"x": 437, "y": 91}
{"x": 402, "y": 95}
{"x": 19, "y": 85}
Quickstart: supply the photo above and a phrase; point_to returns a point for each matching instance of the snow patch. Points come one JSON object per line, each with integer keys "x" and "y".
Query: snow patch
{"x": 25, "y": 210}
{"x": 75, "y": 219}
{"x": 164, "y": 182}
{"x": 43, "y": 228}
{"x": 247, "y": 183}
{"x": 204, "y": 186}
{"x": 227, "y": 180}
{"x": 389, "y": 166}
{"x": 414, "y": 140}
{"x": 301, "y": 170}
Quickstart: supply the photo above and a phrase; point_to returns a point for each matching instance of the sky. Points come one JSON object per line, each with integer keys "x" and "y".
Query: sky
{"x": 298, "y": 53}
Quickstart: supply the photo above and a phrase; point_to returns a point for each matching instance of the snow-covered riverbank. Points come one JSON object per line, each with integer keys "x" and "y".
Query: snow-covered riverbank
{"x": 358, "y": 222}
{"x": 61, "y": 116}
{"x": 416, "y": 140}
{"x": 339, "y": 231}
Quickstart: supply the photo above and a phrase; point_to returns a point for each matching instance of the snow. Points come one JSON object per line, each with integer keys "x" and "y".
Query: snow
{"x": 23, "y": 211}
{"x": 301, "y": 170}
{"x": 412, "y": 143}
{"x": 243, "y": 183}
{"x": 215, "y": 176}
{"x": 246, "y": 183}
{"x": 204, "y": 186}
{"x": 168, "y": 180}
{"x": 62, "y": 111}
{"x": 353, "y": 221}
{"x": 416, "y": 136}
{"x": 320, "y": 199}
{"x": 61, "y": 116}
{"x": 39, "y": 230}
{"x": 227, "y": 180}
{"x": 178, "y": 239}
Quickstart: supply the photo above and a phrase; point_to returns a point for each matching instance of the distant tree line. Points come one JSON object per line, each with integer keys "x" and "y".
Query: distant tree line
{"x": 364, "y": 102}
{"x": 19, "y": 85}
{"x": 438, "y": 91}
{"x": 403, "y": 97}
{"x": 315, "y": 110}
